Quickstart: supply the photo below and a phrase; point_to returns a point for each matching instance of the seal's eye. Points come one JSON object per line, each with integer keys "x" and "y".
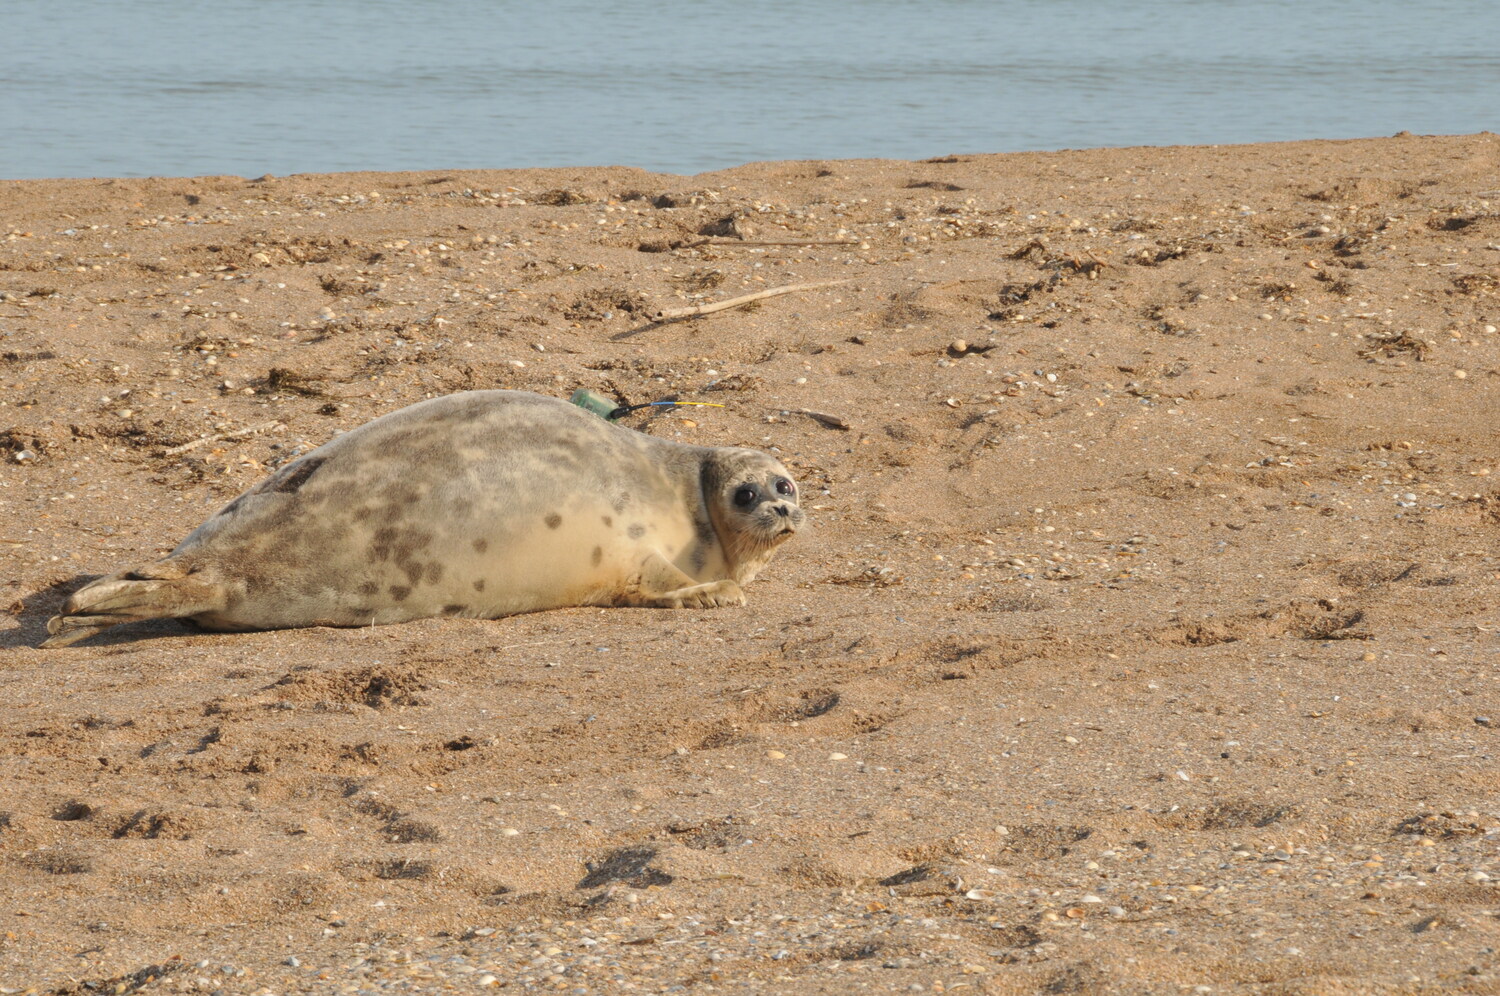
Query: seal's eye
{"x": 745, "y": 496}
{"x": 785, "y": 487}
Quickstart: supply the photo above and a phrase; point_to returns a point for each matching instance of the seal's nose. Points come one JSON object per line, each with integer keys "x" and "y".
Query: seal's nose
{"x": 782, "y": 511}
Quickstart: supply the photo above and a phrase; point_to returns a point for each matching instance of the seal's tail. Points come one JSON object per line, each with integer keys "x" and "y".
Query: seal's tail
{"x": 164, "y": 590}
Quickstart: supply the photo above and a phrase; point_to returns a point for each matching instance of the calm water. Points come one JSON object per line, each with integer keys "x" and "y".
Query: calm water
{"x": 174, "y": 87}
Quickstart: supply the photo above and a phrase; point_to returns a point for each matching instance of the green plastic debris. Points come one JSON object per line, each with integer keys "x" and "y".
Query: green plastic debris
{"x": 592, "y": 401}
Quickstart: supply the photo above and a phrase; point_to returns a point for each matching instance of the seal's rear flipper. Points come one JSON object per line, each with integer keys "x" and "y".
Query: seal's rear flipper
{"x": 160, "y": 591}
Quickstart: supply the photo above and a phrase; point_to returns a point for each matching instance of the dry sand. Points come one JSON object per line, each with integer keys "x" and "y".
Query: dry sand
{"x": 1144, "y": 642}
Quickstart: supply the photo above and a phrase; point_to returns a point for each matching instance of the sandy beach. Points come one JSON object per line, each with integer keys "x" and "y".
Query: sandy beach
{"x": 1144, "y": 640}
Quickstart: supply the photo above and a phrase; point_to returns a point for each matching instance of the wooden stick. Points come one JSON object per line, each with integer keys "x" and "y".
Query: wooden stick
{"x": 670, "y": 314}
{"x": 717, "y": 241}
{"x": 822, "y": 418}
{"x": 236, "y": 434}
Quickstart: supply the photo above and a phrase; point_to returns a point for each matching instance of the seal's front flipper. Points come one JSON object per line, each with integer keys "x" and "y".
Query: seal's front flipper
{"x": 713, "y": 595}
{"x": 663, "y": 586}
{"x": 160, "y": 591}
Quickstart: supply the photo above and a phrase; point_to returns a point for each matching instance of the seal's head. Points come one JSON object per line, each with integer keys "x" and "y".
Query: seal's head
{"x": 753, "y": 503}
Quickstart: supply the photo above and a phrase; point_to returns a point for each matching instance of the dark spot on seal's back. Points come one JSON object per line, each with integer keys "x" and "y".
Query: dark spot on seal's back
{"x": 399, "y": 592}
{"x": 636, "y": 531}
{"x": 434, "y": 572}
{"x": 553, "y": 520}
{"x": 369, "y": 588}
{"x": 597, "y": 555}
{"x": 300, "y": 472}
{"x": 230, "y": 508}
{"x": 381, "y": 548}
{"x": 479, "y": 585}
{"x": 608, "y": 522}
{"x": 453, "y": 610}
{"x": 481, "y": 545}
{"x": 413, "y": 571}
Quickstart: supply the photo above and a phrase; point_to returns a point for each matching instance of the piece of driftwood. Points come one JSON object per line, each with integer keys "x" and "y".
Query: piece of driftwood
{"x": 822, "y": 418}
{"x": 694, "y": 311}
{"x": 720, "y": 241}
{"x": 220, "y": 437}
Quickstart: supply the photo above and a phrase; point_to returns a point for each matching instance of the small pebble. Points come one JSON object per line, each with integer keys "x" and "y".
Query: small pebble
{"x": 1460, "y": 374}
{"x": 775, "y": 755}
{"x": 836, "y": 756}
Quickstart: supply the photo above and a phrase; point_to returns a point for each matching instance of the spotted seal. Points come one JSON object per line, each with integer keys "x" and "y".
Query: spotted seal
{"x": 481, "y": 504}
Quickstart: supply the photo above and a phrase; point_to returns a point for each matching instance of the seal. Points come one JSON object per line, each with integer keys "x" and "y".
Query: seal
{"x": 481, "y": 504}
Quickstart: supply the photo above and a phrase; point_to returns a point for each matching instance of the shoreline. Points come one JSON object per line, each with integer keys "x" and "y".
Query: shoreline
{"x": 867, "y": 161}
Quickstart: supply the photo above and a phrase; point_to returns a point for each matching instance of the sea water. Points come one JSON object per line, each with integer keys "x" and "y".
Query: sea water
{"x": 248, "y": 87}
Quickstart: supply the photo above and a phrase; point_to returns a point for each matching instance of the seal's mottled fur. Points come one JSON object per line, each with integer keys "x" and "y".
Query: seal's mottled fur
{"x": 481, "y": 504}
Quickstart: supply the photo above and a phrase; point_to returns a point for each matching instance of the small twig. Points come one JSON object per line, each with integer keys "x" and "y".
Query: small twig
{"x": 717, "y": 241}
{"x": 822, "y": 418}
{"x": 668, "y": 314}
{"x": 218, "y": 437}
